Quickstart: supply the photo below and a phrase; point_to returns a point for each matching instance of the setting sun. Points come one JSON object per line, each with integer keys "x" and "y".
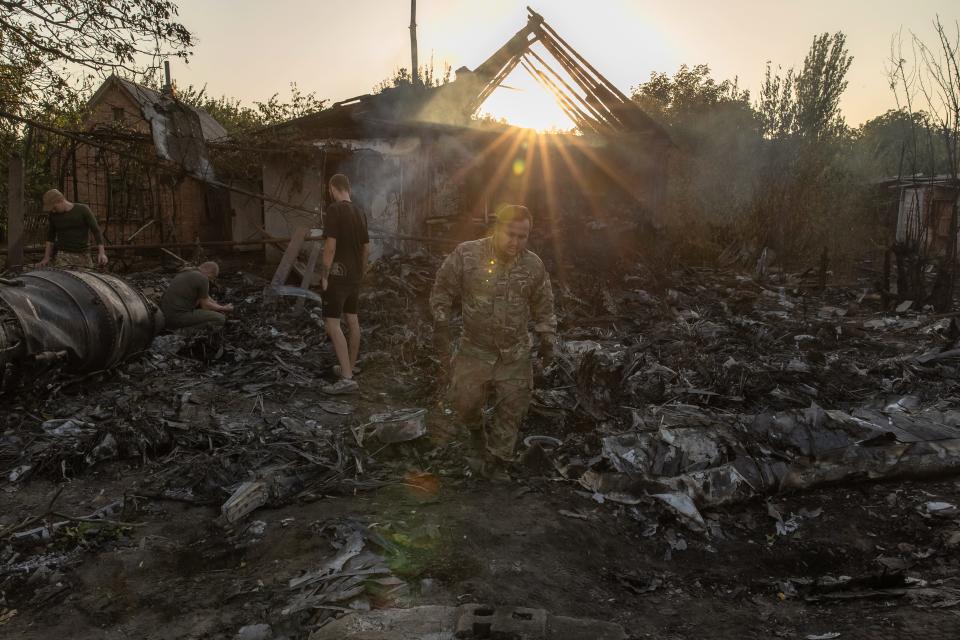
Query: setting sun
{"x": 523, "y": 103}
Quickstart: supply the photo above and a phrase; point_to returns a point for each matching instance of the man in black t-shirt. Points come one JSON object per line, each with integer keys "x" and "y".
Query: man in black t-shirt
{"x": 346, "y": 245}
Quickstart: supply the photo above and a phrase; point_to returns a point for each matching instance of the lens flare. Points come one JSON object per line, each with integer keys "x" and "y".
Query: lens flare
{"x": 422, "y": 483}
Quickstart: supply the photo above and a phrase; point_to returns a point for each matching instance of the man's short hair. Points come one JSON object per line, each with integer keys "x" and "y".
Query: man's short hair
{"x": 340, "y": 182}
{"x": 210, "y": 267}
{"x": 513, "y": 213}
{"x": 51, "y": 198}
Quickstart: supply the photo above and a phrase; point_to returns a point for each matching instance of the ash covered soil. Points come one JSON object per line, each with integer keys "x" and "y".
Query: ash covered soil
{"x": 113, "y": 482}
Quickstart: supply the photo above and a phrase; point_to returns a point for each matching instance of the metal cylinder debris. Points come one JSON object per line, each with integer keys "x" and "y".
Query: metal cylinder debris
{"x": 91, "y": 320}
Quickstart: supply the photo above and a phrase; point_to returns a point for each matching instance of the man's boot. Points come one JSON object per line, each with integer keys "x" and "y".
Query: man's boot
{"x": 476, "y": 451}
{"x": 495, "y": 470}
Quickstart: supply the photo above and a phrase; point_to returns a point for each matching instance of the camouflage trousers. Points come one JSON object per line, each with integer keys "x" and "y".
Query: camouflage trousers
{"x": 66, "y": 260}
{"x": 506, "y": 384}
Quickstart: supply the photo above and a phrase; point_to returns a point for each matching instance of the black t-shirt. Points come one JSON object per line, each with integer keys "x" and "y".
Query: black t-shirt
{"x": 348, "y": 224}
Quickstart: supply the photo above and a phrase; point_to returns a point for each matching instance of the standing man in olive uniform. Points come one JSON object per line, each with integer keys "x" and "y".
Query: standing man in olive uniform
{"x": 502, "y": 286}
{"x": 71, "y": 224}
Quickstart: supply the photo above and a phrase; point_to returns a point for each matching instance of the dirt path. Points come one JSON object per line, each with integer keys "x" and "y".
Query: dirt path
{"x": 180, "y": 576}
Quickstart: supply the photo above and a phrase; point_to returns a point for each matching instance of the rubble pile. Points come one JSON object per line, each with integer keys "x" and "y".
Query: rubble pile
{"x": 674, "y": 397}
{"x": 718, "y": 388}
{"x": 206, "y": 422}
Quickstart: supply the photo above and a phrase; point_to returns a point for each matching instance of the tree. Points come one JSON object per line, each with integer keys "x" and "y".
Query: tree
{"x": 690, "y": 90}
{"x": 819, "y": 86}
{"x": 807, "y": 104}
{"x": 430, "y": 76}
{"x": 718, "y": 134}
{"x": 931, "y": 77}
{"x": 901, "y": 144}
{"x": 240, "y": 120}
{"x": 52, "y": 49}
{"x": 806, "y": 188}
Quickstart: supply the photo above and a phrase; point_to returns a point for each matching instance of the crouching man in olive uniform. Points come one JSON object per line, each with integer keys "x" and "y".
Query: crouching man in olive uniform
{"x": 502, "y": 286}
{"x": 187, "y": 301}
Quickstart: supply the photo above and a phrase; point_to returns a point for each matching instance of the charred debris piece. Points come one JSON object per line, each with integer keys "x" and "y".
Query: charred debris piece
{"x": 83, "y": 319}
{"x": 715, "y": 388}
{"x": 220, "y": 422}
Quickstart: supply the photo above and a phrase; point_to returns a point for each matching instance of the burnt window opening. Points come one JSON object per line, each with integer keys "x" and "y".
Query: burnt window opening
{"x": 117, "y": 114}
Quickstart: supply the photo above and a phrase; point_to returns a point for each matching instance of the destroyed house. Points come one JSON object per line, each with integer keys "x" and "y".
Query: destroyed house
{"x": 920, "y": 210}
{"x": 421, "y": 165}
{"x": 143, "y": 167}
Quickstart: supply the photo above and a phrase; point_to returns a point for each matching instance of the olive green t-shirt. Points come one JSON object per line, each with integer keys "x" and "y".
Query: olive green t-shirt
{"x": 70, "y": 231}
{"x": 184, "y": 292}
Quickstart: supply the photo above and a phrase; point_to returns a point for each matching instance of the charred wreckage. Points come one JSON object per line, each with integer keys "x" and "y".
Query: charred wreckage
{"x": 691, "y": 411}
{"x": 85, "y": 320}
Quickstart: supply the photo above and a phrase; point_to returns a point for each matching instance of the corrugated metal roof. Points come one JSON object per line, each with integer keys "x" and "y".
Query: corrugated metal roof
{"x": 179, "y": 131}
{"x": 148, "y": 98}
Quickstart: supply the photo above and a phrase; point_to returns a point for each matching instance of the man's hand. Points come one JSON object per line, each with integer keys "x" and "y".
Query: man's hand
{"x": 324, "y": 283}
{"x": 547, "y": 350}
{"x": 102, "y": 258}
{"x": 441, "y": 341}
{"x": 227, "y": 307}
{"x": 44, "y": 262}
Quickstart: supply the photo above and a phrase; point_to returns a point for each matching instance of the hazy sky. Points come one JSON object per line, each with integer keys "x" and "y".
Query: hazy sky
{"x": 250, "y": 49}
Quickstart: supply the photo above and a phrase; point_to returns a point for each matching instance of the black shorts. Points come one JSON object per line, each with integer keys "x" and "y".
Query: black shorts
{"x": 339, "y": 298}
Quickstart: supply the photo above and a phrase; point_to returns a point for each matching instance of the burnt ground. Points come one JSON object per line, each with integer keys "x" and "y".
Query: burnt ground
{"x": 188, "y": 427}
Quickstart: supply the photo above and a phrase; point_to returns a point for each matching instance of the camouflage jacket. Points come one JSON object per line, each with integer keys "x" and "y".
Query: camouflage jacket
{"x": 498, "y": 299}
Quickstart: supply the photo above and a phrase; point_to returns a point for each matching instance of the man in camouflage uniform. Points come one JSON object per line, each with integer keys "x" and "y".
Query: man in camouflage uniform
{"x": 502, "y": 286}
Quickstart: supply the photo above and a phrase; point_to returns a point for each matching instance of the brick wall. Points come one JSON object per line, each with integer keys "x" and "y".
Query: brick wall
{"x": 128, "y": 196}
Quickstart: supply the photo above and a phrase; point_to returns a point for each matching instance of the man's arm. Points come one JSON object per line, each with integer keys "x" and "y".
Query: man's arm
{"x": 210, "y": 304}
{"x": 364, "y": 255}
{"x": 541, "y": 309}
{"x": 98, "y": 236}
{"x": 446, "y": 287}
{"x": 51, "y": 239}
{"x": 47, "y": 254}
{"x": 329, "y": 250}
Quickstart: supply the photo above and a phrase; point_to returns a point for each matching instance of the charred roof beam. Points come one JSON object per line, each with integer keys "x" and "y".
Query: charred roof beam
{"x": 598, "y": 105}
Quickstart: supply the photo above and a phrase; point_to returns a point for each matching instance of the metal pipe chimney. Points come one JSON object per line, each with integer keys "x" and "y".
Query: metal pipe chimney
{"x": 167, "y": 85}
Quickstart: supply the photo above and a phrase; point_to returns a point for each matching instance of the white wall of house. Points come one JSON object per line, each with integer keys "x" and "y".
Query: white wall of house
{"x": 910, "y": 223}
{"x": 383, "y": 174}
{"x": 296, "y": 184}
{"x": 247, "y": 215}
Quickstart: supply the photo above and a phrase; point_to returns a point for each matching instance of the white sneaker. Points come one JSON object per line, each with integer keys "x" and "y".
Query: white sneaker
{"x": 341, "y": 386}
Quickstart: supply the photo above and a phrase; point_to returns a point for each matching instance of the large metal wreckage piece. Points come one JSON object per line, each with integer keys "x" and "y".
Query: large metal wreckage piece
{"x": 83, "y": 320}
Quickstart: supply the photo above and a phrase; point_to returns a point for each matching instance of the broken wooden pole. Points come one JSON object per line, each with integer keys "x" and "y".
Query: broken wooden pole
{"x": 308, "y": 273}
{"x": 289, "y": 257}
{"x": 612, "y": 88}
{"x": 414, "y": 67}
{"x": 15, "y": 207}
{"x": 593, "y": 111}
{"x": 579, "y": 118}
{"x": 248, "y": 497}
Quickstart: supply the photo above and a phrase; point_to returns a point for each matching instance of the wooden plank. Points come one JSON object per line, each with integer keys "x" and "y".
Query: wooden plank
{"x": 15, "y": 207}
{"x": 308, "y": 272}
{"x": 289, "y": 257}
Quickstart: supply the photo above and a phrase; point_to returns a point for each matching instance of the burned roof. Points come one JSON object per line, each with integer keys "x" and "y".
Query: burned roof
{"x": 395, "y": 110}
{"x": 179, "y": 131}
{"x": 594, "y": 104}
{"x": 148, "y": 98}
